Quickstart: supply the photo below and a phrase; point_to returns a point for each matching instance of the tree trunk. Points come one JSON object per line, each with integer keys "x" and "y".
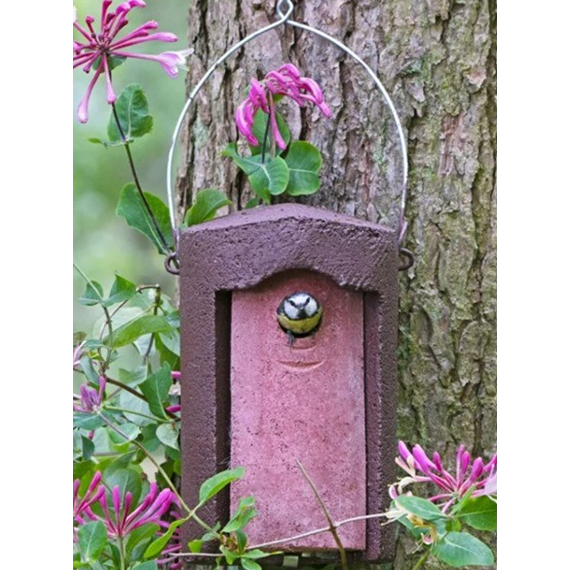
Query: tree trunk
{"x": 437, "y": 59}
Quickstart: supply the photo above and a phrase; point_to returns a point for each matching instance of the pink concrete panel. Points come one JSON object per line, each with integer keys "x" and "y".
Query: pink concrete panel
{"x": 304, "y": 401}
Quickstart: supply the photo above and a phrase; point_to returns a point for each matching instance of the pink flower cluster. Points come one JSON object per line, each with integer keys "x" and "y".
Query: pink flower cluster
{"x": 90, "y": 399}
{"x": 469, "y": 474}
{"x": 122, "y": 518}
{"x": 97, "y": 48}
{"x": 285, "y": 81}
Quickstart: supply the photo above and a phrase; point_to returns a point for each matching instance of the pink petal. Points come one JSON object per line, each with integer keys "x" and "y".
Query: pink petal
{"x": 258, "y": 96}
{"x": 291, "y": 70}
{"x": 111, "y": 97}
{"x": 83, "y": 107}
{"x": 169, "y": 60}
{"x": 404, "y": 451}
{"x": 158, "y": 37}
{"x": 424, "y": 461}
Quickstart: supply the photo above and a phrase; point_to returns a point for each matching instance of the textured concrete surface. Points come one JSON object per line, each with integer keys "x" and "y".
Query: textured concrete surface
{"x": 240, "y": 251}
{"x": 303, "y": 400}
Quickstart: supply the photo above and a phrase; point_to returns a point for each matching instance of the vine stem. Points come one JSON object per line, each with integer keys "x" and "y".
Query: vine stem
{"x": 154, "y": 312}
{"x": 127, "y": 146}
{"x": 421, "y": 561}
{"x": 332, "y": 525}
{"x": 122, "y": 553}
{"x": 126, "y": 388}
{"x": 108, "y": 321}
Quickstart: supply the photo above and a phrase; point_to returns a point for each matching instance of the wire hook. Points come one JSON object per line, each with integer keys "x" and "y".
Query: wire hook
{"x": 285, "y": 13}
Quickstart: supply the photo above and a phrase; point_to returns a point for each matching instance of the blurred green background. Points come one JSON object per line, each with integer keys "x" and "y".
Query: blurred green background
{"x": 103, "y": 243}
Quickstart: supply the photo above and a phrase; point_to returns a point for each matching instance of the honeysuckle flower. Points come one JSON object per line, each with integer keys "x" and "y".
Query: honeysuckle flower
{"x": 90, "y": 399}
{"x": 120, "y": 520}
{"x": 93, "y": 494}
{"x": 474, "y": 476}
{"x": 77, "y": 354}
{"x": 285, "y": 81}
{"x": 100, "y": 51}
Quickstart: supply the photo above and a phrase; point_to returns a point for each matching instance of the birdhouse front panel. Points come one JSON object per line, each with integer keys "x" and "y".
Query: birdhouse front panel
{"x": 297, "y": 393}
{"x": 288, "y": 337}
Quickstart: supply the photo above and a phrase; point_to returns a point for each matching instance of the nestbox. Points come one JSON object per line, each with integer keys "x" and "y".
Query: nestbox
{"x": 259, "y": 395}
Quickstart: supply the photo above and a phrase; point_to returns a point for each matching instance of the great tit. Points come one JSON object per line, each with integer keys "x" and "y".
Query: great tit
{"x": 299, "y": 315}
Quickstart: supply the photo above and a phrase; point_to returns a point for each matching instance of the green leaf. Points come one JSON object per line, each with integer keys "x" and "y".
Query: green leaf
{"x": 304, "y": 162}
{"x": 462, "y": 549}
{"x": 249, "y": 564}
{"x": 271, "y": 177}
{"x": 93, "y": 294}
{"x": 128, "y": 401}
{"x": 88, "y": 447}
{"x": 133, "y": 377}
{"x": 164, "y": 342}
{"x": 479, "y": 513}
{"x": 132, "y": 110}
{"x": 215, "y": 484}
{"x": 130, "y": 430}
{"x": 128, "y": 480}
{"x": 195, "y": 545}
{"x": 132, "y": 209}
{"x": 241, "y": 540}
{"x": 84, "y": 470}
{"x": 87, "y": 366}
{"x": 148, "y": 565}
{"x": 253, "y": 203}
{"x": 245, "y": 512}
{"x": 92, "y": 540}
{"x": 115, "y": 61}
{"x": 420, "y": 507}
{"x": 206, "y": 204}
{"x": 259, "y": 126}
{"x": 230, "y": 555}
{"x": 82, "y": 420}
{"x": 168, "y": 434}
{"x": 156, "y": 547}
{"x": 155, "y": 388}
{"x": 141, "y": 534}
{"x": 134, "y": 329}
{"x": 122, "y": 290}
{"x": 78, "y": 338}
{"x": 256, "y": 554}
{"x": 416, "y": 532}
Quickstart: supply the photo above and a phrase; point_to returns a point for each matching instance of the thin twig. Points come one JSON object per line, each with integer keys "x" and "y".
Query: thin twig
{"x": 139, "y": 289}
{"x": 125, "y": 387}
{"x": 317, "y": 531}
{"x": 332, "y": 525}
{"x": 108, "y": 321}
{"x": 127, "y": 146}
{"x": 288, "y": 539}
{"x": 264, "y": 545}
{"x": 154, "y": 312}
{"x": 265, "y": 136}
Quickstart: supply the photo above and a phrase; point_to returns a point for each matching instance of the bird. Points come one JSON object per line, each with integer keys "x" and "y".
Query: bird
{"x": 299, "y": 315}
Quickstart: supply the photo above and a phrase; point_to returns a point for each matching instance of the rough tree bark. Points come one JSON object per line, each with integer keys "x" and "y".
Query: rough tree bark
{"x": 437, "y": 58}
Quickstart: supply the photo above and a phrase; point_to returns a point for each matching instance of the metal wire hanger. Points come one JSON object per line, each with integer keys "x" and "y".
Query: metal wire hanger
{"x": 284, "y": 11}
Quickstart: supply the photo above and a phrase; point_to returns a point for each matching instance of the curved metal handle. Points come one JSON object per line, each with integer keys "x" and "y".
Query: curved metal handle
{"x": 284, "y": 10}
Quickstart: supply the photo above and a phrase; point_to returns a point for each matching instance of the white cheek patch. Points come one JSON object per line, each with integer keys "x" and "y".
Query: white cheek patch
{"x": 290, "y": 310}
{"x": 311, "y": 307}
